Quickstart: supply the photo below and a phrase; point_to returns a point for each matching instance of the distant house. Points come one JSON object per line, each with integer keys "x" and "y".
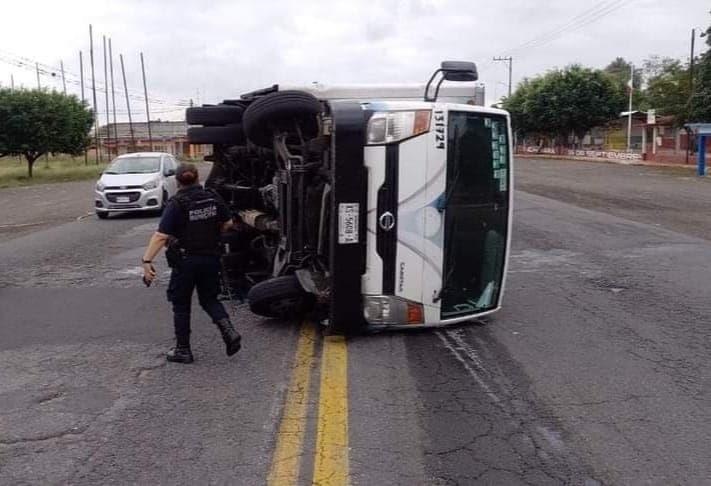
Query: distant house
{"x": 167, "y": 136}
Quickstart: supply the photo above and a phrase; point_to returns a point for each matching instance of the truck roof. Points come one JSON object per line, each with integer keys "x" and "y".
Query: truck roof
{"x": 449, "y": 93}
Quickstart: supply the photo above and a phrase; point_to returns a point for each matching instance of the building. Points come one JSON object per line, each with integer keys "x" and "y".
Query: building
{"x": 167, "y": 136}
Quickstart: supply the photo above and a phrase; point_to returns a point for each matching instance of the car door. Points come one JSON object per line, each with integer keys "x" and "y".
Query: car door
{"x": 169, "y": 167}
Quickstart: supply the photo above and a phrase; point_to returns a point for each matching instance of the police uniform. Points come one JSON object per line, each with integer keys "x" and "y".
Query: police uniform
{"x": 193, "y": 219}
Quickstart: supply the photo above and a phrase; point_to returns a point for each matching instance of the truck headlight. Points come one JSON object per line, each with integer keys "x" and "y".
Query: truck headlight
{"x": 100, "y": 186}
{"x": 394, "y": 126}
{"x": 390, "y": 310}
{"x": 150, "y": 185}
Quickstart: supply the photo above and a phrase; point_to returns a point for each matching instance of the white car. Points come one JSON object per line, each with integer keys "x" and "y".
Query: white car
{"x": 142, "y": 181}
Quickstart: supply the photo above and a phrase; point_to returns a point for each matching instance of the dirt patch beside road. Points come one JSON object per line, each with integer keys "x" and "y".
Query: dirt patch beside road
{"x": 27, "y": 209}
{"x": 656, "y": 195}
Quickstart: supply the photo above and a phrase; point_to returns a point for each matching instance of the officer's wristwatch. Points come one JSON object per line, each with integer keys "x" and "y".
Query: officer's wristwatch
{"x": 146, "y": 261}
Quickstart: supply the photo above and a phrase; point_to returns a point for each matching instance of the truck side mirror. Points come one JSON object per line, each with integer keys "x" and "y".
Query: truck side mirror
{"x": 459, "y": 71}
{"x": 451, "y": 71}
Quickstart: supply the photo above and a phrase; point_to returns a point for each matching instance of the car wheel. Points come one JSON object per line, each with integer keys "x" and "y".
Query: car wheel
{"x": 280, "y": 297}
{"x": 227, "y": 135}
{"x": 282, "y": 112}
{"x": 210, "y": 116}
{"x": 102, "y": 214}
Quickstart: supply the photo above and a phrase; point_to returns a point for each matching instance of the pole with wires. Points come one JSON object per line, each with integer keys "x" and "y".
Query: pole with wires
{"x": 64, "y": 82}
{"x": 83, "y": 98}
{"x": 12, "y": 83}
{"x": 630, "y": 87}
{"x": 97, "y": 140}
{"x": 128, "y": 104}
{"x": 106, "y": 97}
{"x": 509, "y": 60}
{"x": 38, "y": 80}
{"x": 148, "y": 114}
{"x": 113, "y": 94}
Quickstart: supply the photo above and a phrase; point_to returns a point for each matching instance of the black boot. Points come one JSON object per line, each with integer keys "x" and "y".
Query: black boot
{"x": 180, "y": 354}
{"x": 231, "y": 337}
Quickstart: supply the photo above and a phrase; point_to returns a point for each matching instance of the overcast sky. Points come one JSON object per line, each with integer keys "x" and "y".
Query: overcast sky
{"x": 211, "y": 50}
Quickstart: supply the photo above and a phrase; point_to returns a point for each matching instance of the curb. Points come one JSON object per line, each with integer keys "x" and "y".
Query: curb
{"x": 643, "y": 163}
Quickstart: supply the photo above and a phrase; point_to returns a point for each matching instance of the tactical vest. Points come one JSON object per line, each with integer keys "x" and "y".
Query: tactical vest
{"x": 201, "y": 233}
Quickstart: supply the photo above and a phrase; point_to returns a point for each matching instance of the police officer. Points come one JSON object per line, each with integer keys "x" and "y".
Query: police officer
{"x": 190, "y": 228}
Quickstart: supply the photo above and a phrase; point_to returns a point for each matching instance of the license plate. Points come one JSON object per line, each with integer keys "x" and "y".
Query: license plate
{"x": 348, "y": 223}
{"x": 122, "y": 199}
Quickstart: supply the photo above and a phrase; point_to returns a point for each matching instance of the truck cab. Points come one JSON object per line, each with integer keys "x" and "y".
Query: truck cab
{"x": 376, "y": 207}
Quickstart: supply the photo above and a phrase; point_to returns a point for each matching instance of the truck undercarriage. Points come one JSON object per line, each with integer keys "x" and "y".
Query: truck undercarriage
{"x": 272, "y": 164}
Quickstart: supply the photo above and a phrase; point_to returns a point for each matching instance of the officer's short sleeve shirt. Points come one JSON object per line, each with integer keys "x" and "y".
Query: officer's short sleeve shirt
{"x": 172, "y": 220}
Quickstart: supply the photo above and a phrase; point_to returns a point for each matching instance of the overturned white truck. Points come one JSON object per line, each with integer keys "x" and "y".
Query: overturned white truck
{"x": 366, "y": 207}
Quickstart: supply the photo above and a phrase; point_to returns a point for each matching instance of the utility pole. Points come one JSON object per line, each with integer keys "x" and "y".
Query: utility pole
{"x": 83, "y": 98}
{"x": 113, "y": 94}
{"x": 128, "y": 104}
{"x": 148, "y": 114}
{"x": 38, "y": 81}
{"x": 93, "y": 91}
{"x": 12, "y": 83}
{"x": 509, "y": 60}
{"x": 691, "y": 65}
{"x": 629, "y": 118}
{"x": 106, "y": 97}
{"x": 64, "y": 82}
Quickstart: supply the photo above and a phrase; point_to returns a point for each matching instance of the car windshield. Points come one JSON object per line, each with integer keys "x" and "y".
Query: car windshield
{"x": 134, "y": 165}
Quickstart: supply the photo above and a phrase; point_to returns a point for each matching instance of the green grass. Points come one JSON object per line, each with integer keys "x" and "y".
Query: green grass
{"x": 13, "y": 172}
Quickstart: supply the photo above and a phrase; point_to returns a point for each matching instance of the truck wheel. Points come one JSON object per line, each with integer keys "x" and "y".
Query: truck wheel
{"x": 211, "y": 116}
{"x": 280, "y": 297}
{"x": 280, "y": 112}
{"x": 227, "y": 135}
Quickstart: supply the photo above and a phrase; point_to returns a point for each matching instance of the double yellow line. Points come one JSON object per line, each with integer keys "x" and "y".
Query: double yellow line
{"x": 331, "y": 452}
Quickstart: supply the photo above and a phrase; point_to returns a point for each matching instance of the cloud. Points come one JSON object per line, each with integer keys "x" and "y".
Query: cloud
{"x": 219, "y": 49}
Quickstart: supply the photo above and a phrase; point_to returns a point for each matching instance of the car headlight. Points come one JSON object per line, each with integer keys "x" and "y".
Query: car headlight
{"x": 100, "y": 186}
{"x": 391, "y": 310}
{"x": 394, "y": 126}
{"x": 150, "y": 185}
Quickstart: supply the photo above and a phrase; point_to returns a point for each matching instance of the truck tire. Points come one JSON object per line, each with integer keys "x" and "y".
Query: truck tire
{"x": 227, "y": 135}
{"x": 280, "y": 112}
{"x": 280, "y": 297}
{"x": 211, "y": 116}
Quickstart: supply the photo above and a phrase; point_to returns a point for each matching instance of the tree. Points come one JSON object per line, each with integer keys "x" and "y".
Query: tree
{"x": 700, "y": 106}
{"x": 561, "y": 102}
{"x": 619, "y": 71}
{"x": 36, "y": 122}
{"x": 667, "y": 89}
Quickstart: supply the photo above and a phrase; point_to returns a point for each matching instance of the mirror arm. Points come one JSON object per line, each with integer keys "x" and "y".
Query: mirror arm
{"x": 429, "y": 83}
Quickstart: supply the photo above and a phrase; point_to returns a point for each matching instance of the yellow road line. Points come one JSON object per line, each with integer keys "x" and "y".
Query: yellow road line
{"x": 286, "y": 461}
{"x": 331, "y": 462}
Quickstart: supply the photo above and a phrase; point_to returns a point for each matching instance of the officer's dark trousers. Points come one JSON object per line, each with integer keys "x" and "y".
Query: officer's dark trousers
{"x": 194, "y": 271}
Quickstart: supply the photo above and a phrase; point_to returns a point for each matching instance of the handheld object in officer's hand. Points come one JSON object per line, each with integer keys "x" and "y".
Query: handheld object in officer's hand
{"x": 147, "y": 282}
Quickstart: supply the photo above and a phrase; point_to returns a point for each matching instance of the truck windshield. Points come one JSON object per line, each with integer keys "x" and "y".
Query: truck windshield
{"x": 476, "y": 214}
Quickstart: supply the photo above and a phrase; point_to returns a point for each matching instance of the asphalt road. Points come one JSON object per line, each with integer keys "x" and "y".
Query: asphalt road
{"x": 596, "y": 371}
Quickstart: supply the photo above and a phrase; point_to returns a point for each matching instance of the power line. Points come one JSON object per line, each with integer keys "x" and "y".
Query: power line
{"x": 74, "y": 79}
{"x": 601, "y": 10}
{"x": 584, "y": 18}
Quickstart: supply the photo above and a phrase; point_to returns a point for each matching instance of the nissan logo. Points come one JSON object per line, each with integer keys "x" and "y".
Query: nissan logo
{"x": 386, "y": 221}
